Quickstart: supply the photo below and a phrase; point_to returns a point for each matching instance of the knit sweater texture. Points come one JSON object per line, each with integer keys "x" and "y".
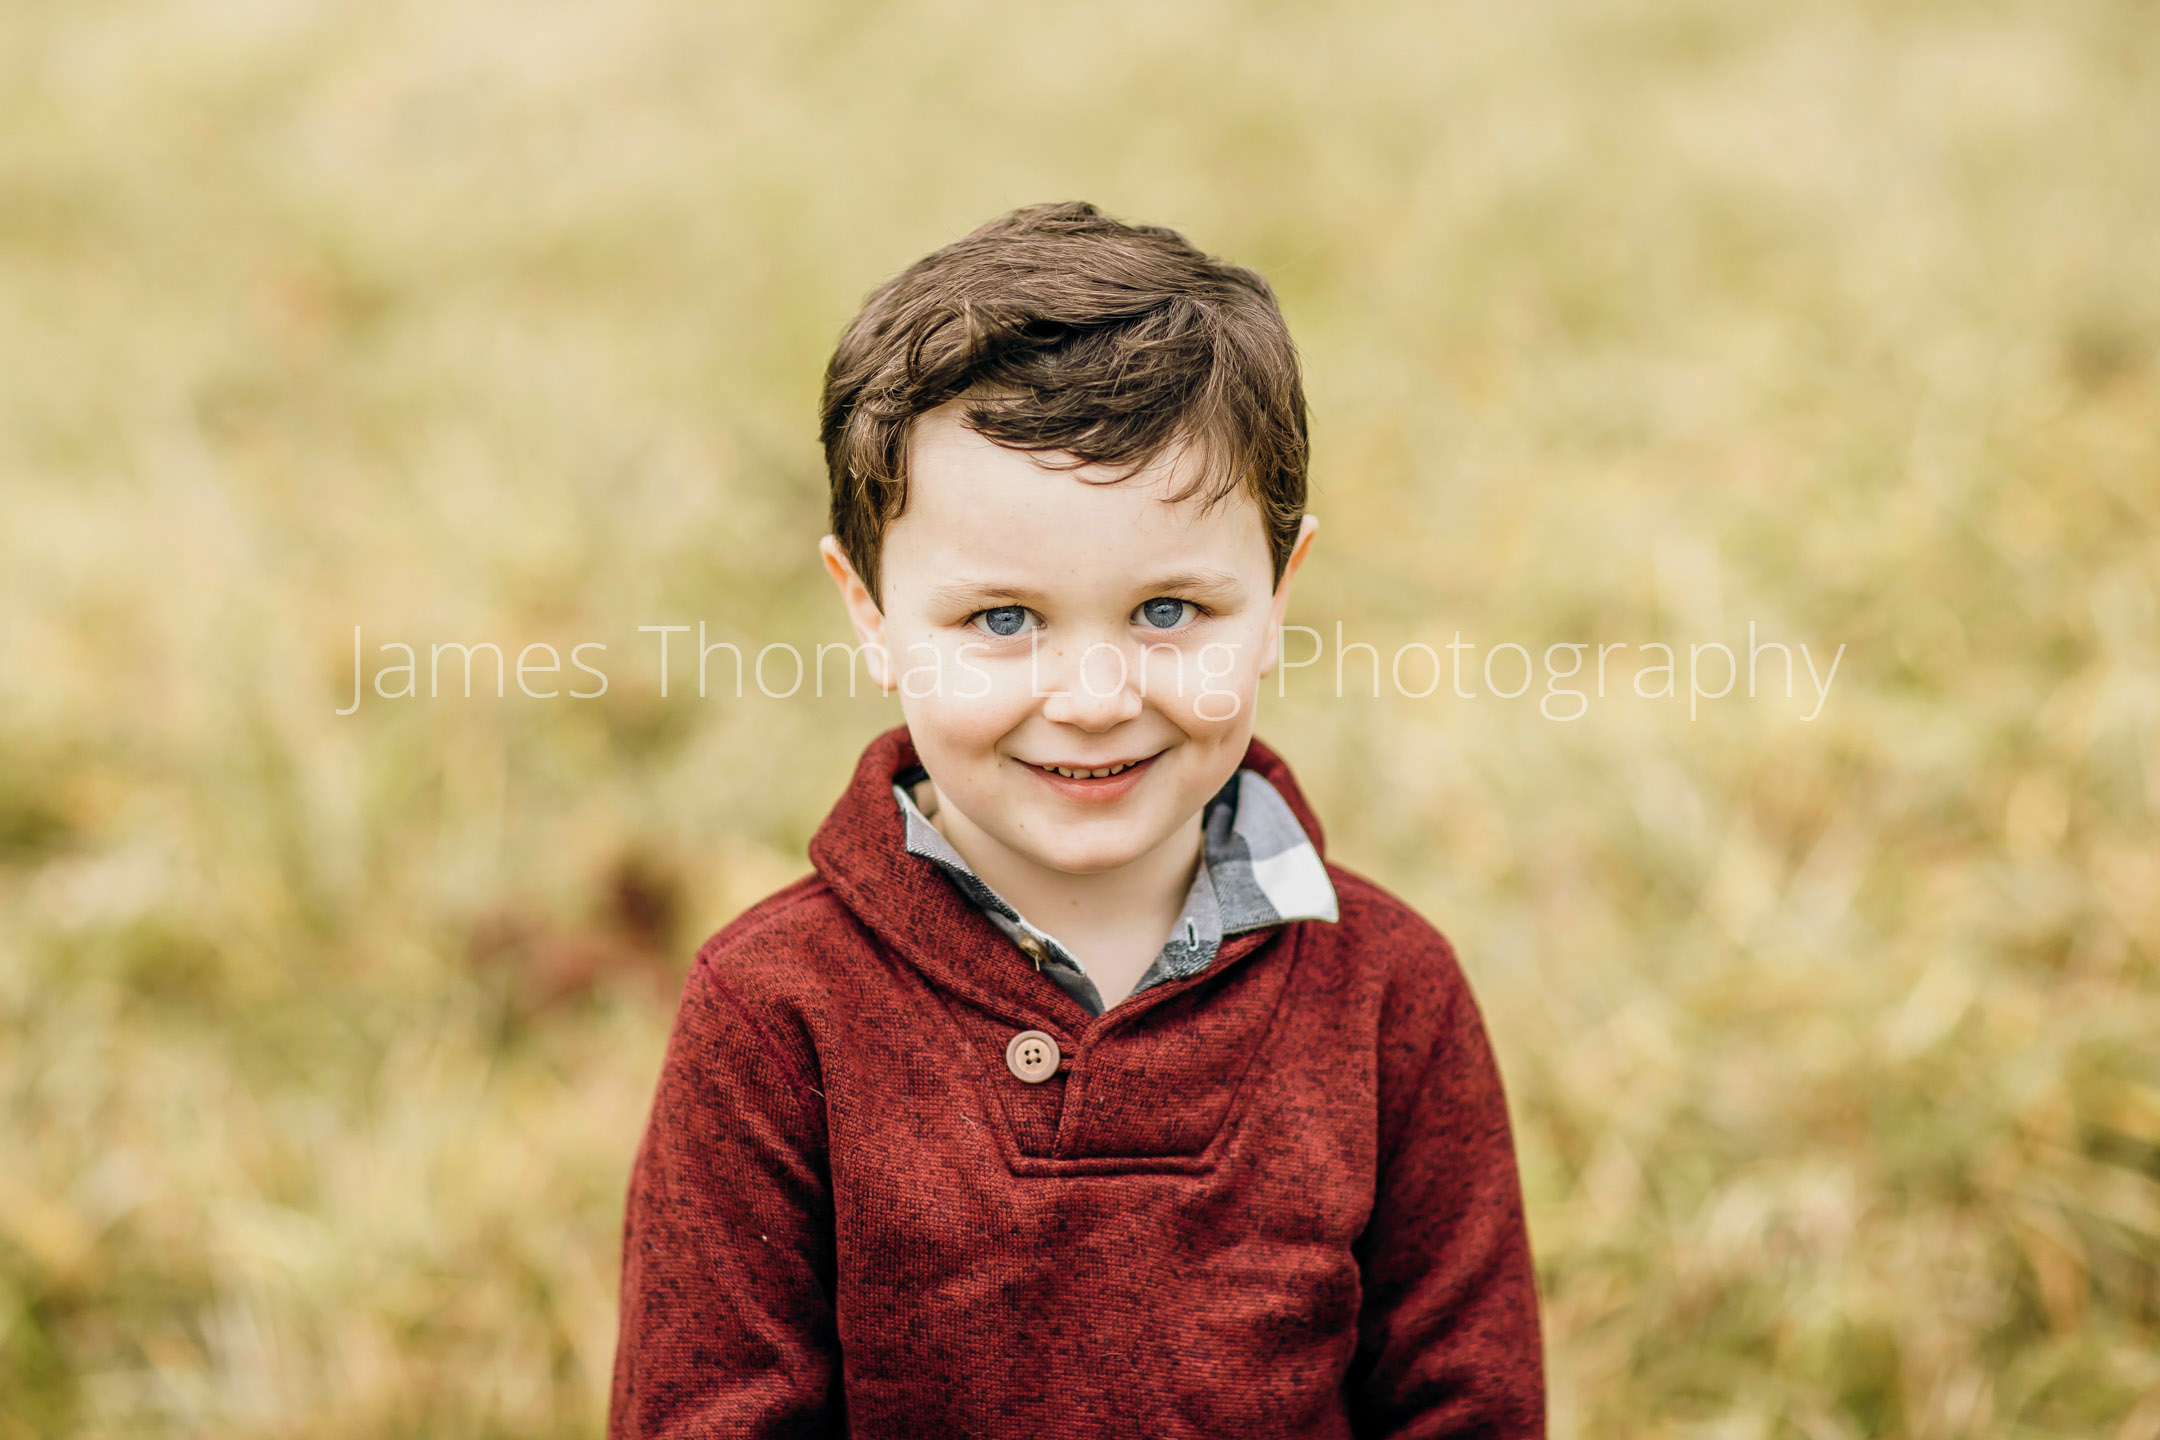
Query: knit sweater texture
{"x": 1274, "y": 1198}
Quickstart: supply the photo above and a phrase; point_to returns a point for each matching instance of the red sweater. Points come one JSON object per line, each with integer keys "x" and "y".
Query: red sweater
{"x": 1274, "y": 1198}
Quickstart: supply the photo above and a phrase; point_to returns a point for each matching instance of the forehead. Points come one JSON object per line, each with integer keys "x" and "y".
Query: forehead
{"x": 973, "y": 503}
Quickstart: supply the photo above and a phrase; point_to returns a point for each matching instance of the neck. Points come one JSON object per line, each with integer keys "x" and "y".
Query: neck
{"x": 1127, "y": 910}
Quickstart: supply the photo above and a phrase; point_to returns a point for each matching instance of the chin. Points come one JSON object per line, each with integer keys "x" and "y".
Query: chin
{"x": 1096, "y": 856}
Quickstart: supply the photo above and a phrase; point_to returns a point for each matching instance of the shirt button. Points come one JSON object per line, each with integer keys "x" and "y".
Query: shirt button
{"x": 1032, "y": 1056}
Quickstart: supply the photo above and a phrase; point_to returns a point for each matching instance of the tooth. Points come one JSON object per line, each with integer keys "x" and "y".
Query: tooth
{"x": 1098, "y": 774}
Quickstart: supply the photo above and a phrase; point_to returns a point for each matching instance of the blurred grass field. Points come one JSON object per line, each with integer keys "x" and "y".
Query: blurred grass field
{"x": 1833, "y": 1045}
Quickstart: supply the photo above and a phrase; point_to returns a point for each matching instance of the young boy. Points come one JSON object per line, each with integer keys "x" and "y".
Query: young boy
{"x": 1073, "y": 1094}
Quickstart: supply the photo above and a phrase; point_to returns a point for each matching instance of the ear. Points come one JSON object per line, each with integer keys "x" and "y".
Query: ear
{"x": 1281, "y": 606}
{"x": 862, "y": 609}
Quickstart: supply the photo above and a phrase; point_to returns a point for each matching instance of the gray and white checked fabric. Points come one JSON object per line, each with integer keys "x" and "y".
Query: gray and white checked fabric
{"x": 1257, "y": 868}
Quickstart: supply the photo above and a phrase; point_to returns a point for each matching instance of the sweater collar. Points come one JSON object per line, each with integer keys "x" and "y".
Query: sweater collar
{"x": 1256, "y": 869}
{"x": 862, "y": 851}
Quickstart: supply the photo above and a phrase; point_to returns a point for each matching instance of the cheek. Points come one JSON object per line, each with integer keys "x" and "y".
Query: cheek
{"x": 1210, "y": 691}
{"x": 960, "y": 702}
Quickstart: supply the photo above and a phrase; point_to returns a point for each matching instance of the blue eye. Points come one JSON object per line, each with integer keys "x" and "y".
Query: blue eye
{"x": 1163, "y": 613}
{"x": 1005, "y": 619}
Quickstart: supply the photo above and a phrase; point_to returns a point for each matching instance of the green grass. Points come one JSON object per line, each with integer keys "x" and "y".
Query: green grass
{"x": 324, "y": 1042}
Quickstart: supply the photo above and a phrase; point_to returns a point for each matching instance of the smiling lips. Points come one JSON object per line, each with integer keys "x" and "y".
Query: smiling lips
{"x": 1100, "y": 772}
{"x": 1096, "y": 784}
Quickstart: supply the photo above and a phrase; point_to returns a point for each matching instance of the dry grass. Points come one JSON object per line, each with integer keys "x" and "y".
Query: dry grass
{"x": 324, "y": 1041}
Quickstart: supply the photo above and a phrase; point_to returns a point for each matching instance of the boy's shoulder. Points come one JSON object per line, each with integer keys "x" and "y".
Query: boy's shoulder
{"x": 767, "y": 942}
{"x": 1374, "y": 918}
{"x": 1383, "y": 940}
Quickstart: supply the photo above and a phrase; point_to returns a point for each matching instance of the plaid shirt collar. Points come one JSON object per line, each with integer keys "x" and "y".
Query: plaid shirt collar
{"x": 1257, "y": 868}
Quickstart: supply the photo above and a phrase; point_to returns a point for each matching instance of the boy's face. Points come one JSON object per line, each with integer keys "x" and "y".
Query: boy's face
{"x": 1038, "y": 620}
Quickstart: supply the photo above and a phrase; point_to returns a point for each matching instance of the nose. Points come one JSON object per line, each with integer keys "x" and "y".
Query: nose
{"x": 1095, "y": 690}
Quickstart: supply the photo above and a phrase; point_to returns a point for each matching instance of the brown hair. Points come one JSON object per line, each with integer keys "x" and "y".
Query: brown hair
{"x": 1068, "y": 330}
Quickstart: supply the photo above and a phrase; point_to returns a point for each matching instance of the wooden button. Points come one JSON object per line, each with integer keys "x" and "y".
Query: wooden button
{"x": 1032, "y": 1056}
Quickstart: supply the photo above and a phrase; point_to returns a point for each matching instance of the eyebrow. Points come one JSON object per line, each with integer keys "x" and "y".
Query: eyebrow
{"x": 978, "y": 594}
{"x": 1205, "y": 581}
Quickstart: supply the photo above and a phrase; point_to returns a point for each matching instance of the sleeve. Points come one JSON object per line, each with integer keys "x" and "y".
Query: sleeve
{"x": 727, "y": 1315}
{"x": 1448, "y": 1341}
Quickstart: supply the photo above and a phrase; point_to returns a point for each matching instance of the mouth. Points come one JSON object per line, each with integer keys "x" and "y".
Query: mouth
{"x": 1093, "y": 783}
{"x": 1099, "y": 772}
